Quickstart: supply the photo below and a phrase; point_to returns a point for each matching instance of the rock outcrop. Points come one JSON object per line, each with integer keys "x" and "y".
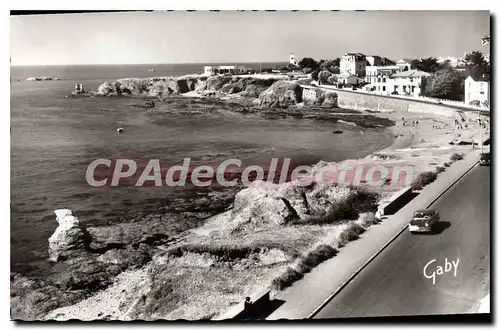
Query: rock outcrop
{"x": 320, "y": 97}
{"x": 281, "y": 94}
{"x": 265, "y": 205}
{"x": 70, "y": 237}
{"x": 167, "y": 86}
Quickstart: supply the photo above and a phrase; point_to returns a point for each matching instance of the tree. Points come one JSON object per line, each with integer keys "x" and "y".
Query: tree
{"x": 323, "y": 76}
{"x": 333, "y": 80}
{"x": 429, "y": 64}
{"x": 445, "y": 84}
{"x": 315, "y": 74}
{"x": 476, "y": 66}
{"x": 330, "y": 64}
{"x": 308, "y": 62}
{"x": 444, "y": 65}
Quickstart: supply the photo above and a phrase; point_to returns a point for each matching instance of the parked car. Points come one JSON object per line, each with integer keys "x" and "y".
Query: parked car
{"x": 424, "y": 220}
{"x": 485, "y": 159}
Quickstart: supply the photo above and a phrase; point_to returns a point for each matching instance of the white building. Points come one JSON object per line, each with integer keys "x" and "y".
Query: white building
{"x": 376, "y": 73}
{"x": 293, "y": 59}
{"x": 404, "y": 64}
{"x": 477, "y": 92}
{"x": 353, "y": 64}
{"x": 409, "y": 83}
{"x": 217, "y": 70}
{"x": 347, "y": 78}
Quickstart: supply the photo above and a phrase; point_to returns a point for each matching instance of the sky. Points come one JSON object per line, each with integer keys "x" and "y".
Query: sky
{"x": 231, "y": 36}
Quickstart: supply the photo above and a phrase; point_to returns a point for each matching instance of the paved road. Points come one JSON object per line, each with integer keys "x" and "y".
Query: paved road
{"x": 393, "y": 284}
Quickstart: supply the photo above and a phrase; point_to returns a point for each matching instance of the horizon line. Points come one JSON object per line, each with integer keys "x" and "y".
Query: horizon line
{"x": 153, "y": 63}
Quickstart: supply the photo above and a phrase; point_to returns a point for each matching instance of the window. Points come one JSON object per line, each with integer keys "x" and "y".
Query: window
{"x": 383, "y": 80}
{"x": 378, "y": 88}
{"x": 404, "y": 88}
{"x": 383, "y": 88}
{"x": 413, "y": 89}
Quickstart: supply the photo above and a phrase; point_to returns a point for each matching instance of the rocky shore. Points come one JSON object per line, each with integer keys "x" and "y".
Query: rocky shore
{"x": 271, "y": 97}
{"x": 194, "y": 260}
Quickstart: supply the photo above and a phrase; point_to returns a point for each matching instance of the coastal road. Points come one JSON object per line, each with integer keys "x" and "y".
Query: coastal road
{"x": 393, "y": 284}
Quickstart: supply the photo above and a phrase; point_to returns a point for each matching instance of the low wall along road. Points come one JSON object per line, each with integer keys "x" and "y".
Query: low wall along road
{"x": 373, "y": 102}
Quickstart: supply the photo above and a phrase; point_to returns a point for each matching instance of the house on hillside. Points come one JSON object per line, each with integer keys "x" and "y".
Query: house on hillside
{"x": 477, "y": 92}
{"x": 353, "y": 64}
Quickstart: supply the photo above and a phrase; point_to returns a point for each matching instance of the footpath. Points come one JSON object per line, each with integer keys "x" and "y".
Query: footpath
{"x": 308, "y": 295}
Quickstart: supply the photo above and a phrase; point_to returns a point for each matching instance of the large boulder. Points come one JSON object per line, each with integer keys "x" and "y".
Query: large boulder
{"x": 70, "y": 238}
{"x": 261, "y": 204}
{"x": 281, "y": 94}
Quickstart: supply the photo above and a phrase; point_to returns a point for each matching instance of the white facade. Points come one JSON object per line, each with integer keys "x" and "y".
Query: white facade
{"x": 293, "y": 60}
{"x": 477, "y": 92}
{"x": 409, "y": 83}
{"x": 216, "y": 70}
{"x": 404, "y": 64}
{"x": 353, "y": 64}
{"x": 375, "y": 72}
{"x": 349, "y": 79}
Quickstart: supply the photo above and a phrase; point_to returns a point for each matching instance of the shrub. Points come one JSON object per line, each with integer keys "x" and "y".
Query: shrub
{"x": 286, "y": 279}
{"x": 423, "y": 179}
{"x": 315, "y": 257}
{"x": 446, "y": 164}
{"x": 457, "y": 156}
{"x": 439, "y": 169}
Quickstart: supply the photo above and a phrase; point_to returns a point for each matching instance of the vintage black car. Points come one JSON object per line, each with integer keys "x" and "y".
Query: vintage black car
{"x": 485, "y": 159}
{"x": 424, "y": 221}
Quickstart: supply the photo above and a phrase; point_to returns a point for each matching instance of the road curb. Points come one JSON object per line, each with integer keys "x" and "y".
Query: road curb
{"x": 378, "y": 252}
